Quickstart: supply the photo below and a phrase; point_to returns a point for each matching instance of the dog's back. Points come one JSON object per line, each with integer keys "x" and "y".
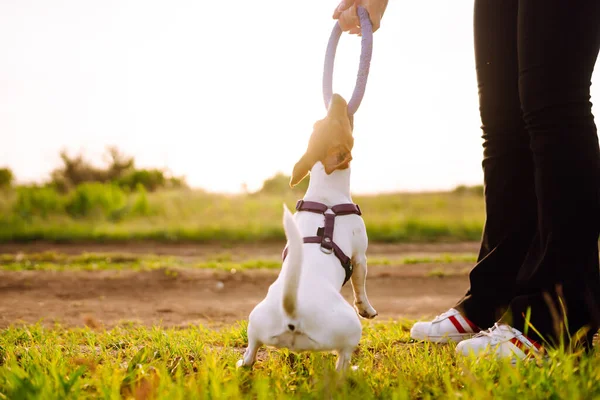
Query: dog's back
{"x": 349, "y": 234}
{"x": 305, "y": 308}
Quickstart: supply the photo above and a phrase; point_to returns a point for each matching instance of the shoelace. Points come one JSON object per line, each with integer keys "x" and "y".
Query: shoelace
{"x": 495, "y": 333}
{"x": 491, "y": 332}
{"x": 442, "y": 316}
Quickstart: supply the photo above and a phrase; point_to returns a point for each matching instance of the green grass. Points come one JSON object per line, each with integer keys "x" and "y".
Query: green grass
{"x": 197, "y": 216}
{"x": 199, "y": 363}
{"x": 51, "y": 261}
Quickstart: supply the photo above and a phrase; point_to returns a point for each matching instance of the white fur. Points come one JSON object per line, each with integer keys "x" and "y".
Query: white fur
{"x": 318, "y": 318}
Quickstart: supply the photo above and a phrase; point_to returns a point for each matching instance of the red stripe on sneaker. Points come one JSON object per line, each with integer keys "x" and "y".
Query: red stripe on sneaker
{"x": 516, "y": 342}
{"x": 457, "y": 324}
{"x": 535, "y": 344}
{"x": 473, "y": 327}
{"x": 520, "y": 345}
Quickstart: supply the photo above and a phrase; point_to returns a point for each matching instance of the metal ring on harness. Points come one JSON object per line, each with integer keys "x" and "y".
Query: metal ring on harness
{"x": 363, "y": 67}
{"x": 325, "y": 249}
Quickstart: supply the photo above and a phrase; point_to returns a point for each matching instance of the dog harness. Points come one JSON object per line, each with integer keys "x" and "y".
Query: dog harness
{"x": 325, "y": 234}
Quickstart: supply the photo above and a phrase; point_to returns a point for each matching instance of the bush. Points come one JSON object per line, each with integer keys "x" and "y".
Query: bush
{"x": 463, "y": 189}
{"x": 141, "y": 205}
{"x": 150, "y": 179}
{"x": 37, "y": 201}
{"x": 94, "y": 199}
{"x": 280, "y": 184}
{"x": 99, "y": 200}
{"x": 76, "y": 170}
{"x": 174, "y": 182}
{"x": 120, "y": 170}
{"x": 6, "y": 178}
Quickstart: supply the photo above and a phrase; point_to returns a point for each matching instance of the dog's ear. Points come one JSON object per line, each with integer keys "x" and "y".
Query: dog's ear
{"x": 337, "y": 157}
{"x": 301, "y": 169}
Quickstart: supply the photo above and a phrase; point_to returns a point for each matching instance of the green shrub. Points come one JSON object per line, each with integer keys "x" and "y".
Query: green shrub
{"x": 176, "y": 183}
{"x": 120, "y": 170}
{"x": 95, "y": 199}
{"x": 37, "y": 201}
{"x": 76, "y": 170}
{"x": 463, "y": 189}
{"x": 150, "y": 179}
{"x": 6, "y": 178}
{"x": 141, "y": 205}
{"x": 280, "y": 184}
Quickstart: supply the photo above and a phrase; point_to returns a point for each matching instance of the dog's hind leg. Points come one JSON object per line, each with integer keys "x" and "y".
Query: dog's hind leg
{"x": 253, "y": 346}
{"x": 359, "y": 277}
{"x": 250, "y": 354}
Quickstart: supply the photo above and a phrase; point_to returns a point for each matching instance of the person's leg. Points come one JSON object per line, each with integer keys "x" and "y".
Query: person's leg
{"x": 558, "y": 46}
{"x": 510, "y": 201}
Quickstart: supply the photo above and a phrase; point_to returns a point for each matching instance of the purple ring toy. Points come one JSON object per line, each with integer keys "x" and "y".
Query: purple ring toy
{"x": 363, "y": 67}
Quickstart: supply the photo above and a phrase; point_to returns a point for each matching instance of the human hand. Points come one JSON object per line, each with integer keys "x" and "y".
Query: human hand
{"x": 348, "y": 19}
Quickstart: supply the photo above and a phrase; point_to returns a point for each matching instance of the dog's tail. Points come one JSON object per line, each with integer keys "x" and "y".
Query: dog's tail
{"x": 291, "y": 279}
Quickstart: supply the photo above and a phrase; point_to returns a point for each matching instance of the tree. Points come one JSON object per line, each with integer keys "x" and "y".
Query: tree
{"x": 280, "y": 184}
{"x": 76, "y": 170}
{"x": 6, "y": 178}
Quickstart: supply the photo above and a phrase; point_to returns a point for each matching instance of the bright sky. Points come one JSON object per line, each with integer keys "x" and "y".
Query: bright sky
{"x": 226, "y": 92}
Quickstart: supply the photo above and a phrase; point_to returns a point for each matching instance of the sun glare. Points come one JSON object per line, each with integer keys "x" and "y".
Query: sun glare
{"x": 226, "y": 93}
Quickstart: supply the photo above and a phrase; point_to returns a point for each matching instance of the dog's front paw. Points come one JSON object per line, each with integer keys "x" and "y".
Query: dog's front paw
{"x": 365, "y": 311}
{"x": 240, "y": 364}
{"x": 369, "y": 314}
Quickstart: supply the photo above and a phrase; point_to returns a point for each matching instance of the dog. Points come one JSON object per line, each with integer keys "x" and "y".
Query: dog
{"x": 304, "y": 309}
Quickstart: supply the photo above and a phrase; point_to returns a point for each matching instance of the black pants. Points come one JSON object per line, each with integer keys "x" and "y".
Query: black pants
{"x": 539, "y": 250}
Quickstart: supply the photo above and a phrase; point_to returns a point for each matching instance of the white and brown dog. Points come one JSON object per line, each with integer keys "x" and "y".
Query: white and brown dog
{"x": 303, "y": 309}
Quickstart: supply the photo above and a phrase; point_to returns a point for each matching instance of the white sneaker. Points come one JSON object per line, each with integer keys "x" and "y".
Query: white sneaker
{"x": 503, "y": 340}
{"x": 447, "y": 327}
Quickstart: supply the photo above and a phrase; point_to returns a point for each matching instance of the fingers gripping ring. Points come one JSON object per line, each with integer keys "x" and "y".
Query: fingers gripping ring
{"x": 363, "y": 66}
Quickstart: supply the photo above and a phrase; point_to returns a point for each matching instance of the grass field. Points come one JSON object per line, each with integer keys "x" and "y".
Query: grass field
{"x": 198, "y": 361}
{"x": 144, "y": 363}
{"x": 151, "y": 361}
{"x": 202, "y": 217}
{"x": 52, "y": 261}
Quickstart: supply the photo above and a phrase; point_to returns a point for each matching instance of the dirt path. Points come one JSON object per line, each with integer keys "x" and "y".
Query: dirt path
{"x": 238, "y": 251}
{"x": 180, "y": 297}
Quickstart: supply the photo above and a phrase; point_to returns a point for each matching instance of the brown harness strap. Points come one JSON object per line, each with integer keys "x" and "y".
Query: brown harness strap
{"x": 326, "y": 239}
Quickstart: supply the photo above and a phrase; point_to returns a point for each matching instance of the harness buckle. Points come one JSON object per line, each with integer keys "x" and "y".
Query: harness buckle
{"x": 326, "y": 246}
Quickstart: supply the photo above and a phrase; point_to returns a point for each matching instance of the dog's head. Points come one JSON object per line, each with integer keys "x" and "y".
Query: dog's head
{"x": 331, "y": 142}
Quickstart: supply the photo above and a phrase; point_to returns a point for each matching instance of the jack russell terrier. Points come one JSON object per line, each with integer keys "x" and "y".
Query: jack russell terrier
{"x": 304, "y": 309}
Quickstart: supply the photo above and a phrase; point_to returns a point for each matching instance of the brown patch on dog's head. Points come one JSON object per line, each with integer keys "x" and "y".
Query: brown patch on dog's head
{"x": 331, "y": 142}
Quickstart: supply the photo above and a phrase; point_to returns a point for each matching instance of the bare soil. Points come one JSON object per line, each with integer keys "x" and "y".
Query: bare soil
{"x": 181, "y": 297}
